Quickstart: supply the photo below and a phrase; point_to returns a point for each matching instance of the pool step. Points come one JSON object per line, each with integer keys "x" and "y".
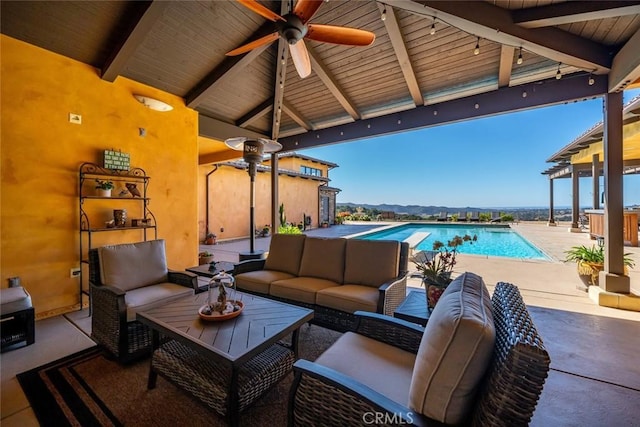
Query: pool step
{"x": 415, "y": 239}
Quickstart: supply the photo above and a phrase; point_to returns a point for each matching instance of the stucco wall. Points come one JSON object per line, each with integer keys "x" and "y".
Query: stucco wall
{"x": 229, "y": 200}
{"x": 41, "y": 152}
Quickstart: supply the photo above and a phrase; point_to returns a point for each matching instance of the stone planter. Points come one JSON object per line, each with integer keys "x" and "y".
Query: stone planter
{"x": 205, "y": 260}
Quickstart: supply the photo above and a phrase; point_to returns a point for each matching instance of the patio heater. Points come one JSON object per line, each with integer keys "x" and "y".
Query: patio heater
{"x": 253, "y": 150}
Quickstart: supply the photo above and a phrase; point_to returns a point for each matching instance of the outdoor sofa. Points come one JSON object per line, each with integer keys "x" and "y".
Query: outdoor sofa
{"x": 479, "y": 361}
{"x": 333, "y": 276}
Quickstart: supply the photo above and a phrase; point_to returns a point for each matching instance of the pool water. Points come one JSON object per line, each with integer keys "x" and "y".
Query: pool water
{"x": 493, "y": 240}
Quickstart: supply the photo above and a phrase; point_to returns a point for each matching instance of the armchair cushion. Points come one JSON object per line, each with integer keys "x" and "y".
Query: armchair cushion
{"x": 131, "y": 266}
{"x": 371, "y": 263}
{"x": 323, "y": 259}
{"x": 285, "y": 251}
{"x": 455, "y": 352}
{"x": 391, "y": 365}
{"x": 349, "y": 298}
{"x": 148, "y": 297}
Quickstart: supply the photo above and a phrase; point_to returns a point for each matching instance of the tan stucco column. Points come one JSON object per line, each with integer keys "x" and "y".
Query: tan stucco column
{"x": 612, "y": 279}
{"x": 551, "y": 222}
{"x": 595, "y": 173}
{"x": 275, "y": 205}
{"x": 575, "y": 199}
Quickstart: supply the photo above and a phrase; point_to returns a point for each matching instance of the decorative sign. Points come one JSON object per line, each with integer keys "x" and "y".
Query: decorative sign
{"x": 116, "y": 160}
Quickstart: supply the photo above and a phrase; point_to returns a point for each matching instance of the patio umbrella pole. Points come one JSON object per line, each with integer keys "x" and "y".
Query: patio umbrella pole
{"x": 252, "y": 209}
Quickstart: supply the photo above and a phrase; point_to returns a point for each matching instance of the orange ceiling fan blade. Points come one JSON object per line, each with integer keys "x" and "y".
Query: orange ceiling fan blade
{"x": 340, "y": 35}
{"x": 261, "y": 10}
{"x": 305, "y": 9}
{"x": 254, "y": 44}
{"x": 300, "y": 57}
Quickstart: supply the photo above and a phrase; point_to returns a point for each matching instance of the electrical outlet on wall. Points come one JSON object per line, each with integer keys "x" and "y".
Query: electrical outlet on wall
{"x": 74, "y": 272}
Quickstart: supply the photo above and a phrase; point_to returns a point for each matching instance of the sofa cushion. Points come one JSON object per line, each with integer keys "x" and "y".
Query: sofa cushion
{"x": 149, "y": 297}
{"x": 301, "y": 289}
{"x": 382, "y": 367}
{"x": 285, "y": 251}
{"x": 455, "y": 351}
{"x": 133, "y": 265}
{"x": 323, "y": 259}
{"x": 14, "y": 299}
{"x": 260, "y": 280}
{"x": 349, "y": 298}
{"x": 371, "y": 262}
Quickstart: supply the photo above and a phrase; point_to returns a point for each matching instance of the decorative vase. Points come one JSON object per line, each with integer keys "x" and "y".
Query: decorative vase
{"x": 434, "y": 291}
{"x": 120, "y": 217}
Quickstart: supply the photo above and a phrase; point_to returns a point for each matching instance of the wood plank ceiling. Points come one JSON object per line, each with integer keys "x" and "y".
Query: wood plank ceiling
{"x": 410, "y": 77}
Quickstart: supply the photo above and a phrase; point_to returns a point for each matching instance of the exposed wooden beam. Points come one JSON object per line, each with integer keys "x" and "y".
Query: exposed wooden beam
{"x": 400, "y": 48}
{"x": 574, "y": 11}
{"x": 626, "y": 65}
{"x": 279, "y": 79}
{"x": 228, "y": 69}
{"x": 255, "y": 113}
{"x": 506, "y": 65}
{"x": 141, "y": 24}
{"x": 296, "y": 116}
{"x": 503, "y": 100}
{"x": 494, "y": 23}
{"x": 327, "y": 78}
{"x": 220, "y": 156}
{"x": 216, "y": 129}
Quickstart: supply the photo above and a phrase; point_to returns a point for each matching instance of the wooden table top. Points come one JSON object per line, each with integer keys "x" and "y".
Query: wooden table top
{"x": 262, "y": 323}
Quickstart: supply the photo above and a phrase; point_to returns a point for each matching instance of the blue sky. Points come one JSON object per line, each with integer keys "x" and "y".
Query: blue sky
{"x": 489, "y": 162}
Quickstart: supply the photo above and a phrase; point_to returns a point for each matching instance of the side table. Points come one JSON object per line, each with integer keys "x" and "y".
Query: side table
{"x": 205, "y": 270}
{"x": 413, "y": 308}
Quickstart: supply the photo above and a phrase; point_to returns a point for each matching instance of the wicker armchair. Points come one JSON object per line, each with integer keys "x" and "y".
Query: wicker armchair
{"x": 125, "y": 278}
{"x": 506, "y": 396}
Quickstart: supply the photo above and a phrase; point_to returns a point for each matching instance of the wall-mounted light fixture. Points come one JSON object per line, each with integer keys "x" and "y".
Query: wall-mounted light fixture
{"x": 152, "y": 103}
{"x": 477, "y": 49}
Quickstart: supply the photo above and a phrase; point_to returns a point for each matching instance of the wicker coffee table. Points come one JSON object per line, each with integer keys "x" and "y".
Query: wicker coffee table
{"x": 228, "y": 364}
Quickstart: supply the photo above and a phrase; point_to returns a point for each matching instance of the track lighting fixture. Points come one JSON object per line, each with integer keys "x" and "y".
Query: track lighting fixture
{"x": 558, "y": 73}
{"x": 477, "y": 49}
{"x": 433, "y": 27}
{"x": 384, "y": 13}
{"x": 519, "y": 61}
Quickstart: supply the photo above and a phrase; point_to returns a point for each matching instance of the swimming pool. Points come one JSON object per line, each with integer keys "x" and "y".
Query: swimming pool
{"x": 493, "y": 240}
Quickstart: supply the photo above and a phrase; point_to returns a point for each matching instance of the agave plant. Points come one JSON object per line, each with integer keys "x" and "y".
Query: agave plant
{"x": 593, "y": 255}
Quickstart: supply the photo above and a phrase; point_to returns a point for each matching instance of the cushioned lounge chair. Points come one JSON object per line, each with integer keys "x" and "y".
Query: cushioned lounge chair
{"x": 479, "y": 361}
{"x": 462, "y": 217}
{"x": 442, "y": 217}
{"x": 495, "y": 217}
{"x": 474, "y": 217}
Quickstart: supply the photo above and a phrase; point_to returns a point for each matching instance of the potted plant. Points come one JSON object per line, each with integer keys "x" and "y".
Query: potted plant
{"x": 205, "y": 257}
{"x": 104, "y": 187}
{"x": 265, "y": 231}
{"x": 436, "y": 266}
{"x": 210, "y": 239}
{"x": 590, "y": 262}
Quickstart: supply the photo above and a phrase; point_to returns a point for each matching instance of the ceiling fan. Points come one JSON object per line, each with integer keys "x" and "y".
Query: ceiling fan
{"x": 294, "y": 27}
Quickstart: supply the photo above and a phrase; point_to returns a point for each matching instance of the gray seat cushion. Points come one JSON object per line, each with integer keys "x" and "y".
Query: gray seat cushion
{"x": 455, "y": 351}
{"x": 382, "y": 367}
{"x": 152, "y": 296}
{"x": 14, "y": 299}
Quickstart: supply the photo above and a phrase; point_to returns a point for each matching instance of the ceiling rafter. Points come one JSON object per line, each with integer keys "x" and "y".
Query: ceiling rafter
{"x": 400, "y": 49}
{"x": 566, "y": 13}
{"x": 496, "y": 24}
{"x": 279, "y": 79}
{"x": 330, "y": 82}
{"x": 506, "y": 65}
{"x": 255, "y": 113}
{"x": 296, "y": 116}
{"x": 141, "y": 24}
{"x": 228, "y": 69}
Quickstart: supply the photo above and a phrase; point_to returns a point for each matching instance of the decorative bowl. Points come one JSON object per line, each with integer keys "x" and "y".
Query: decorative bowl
{"x": 216, "y": 316}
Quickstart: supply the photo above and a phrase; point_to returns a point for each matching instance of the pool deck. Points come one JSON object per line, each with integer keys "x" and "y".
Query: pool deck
{"x": 595, "y": 375}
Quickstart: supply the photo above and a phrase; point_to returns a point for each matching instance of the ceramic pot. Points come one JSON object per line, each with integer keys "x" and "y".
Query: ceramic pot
{"x": 588, "y": 272}
{"x": 101, "y": 192}
{"x": 434, "y": 291}
{"x": 205, "y": 260}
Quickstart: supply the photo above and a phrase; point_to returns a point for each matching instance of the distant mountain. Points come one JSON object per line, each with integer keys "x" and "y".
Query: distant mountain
{"x": 414, "y": 209}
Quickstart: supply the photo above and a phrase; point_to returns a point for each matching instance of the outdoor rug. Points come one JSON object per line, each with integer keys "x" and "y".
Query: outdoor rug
{"x": 90, "y": 389}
